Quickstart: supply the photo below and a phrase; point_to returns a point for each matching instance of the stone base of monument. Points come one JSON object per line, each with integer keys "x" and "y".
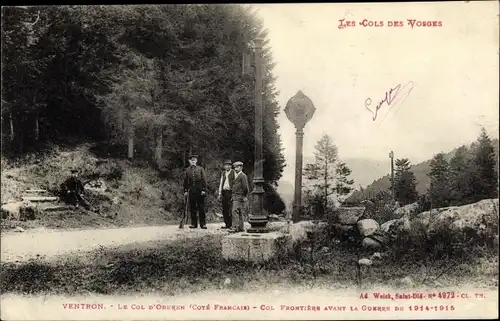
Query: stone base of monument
{"x": 253, "y": 247}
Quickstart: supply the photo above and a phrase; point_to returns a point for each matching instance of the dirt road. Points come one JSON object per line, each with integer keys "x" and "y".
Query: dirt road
{"x": 49, "y": 243}
{"x": 45, "y": 243}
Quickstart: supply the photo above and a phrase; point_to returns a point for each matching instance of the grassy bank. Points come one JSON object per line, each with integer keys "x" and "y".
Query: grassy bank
{"x": 196, "y": 264}
{"x": 136, "y": 193}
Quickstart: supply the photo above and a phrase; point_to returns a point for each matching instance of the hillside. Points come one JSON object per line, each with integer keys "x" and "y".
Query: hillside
{"x": 420, "y": 170}
{"x": 135, "y": 193}
{"x": 365, "y": 171}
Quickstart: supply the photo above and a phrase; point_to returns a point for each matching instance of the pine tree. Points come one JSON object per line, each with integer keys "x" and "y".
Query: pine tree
{"x": 439, "y": 189}
{"x": 405, "y": 182}
{"x": 485, "y": 180}
{"x": 344, "y": 184}
{"x": 330, "y": 176}
{"x": 461, "y": 175}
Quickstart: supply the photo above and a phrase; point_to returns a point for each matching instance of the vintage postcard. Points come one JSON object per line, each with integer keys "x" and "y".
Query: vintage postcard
{"x": 250, "y": 161}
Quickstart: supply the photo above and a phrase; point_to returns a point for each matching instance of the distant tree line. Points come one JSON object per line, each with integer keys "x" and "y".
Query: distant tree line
{"x": 158, "y": 81}
{"x": 468, "y": 177}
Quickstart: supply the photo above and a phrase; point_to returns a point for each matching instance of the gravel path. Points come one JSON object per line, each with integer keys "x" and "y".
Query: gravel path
{"x": 46, "y": 243}
{"x": 50, "y": 243}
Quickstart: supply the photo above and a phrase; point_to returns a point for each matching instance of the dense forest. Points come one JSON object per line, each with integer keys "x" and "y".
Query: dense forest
{"x": 165, "y": 79}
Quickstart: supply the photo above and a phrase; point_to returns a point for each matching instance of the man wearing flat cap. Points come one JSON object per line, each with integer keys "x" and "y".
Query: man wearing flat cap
{"x": 240, "y": 193}
{"x": 73, "y": 188}
{"x": 195, "y": 187}
{"x": 225, "y": 193}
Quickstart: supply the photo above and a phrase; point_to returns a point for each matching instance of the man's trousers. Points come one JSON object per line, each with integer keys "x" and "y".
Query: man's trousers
{"x": 197, "y": 204}
{"x": 227, "y": 205}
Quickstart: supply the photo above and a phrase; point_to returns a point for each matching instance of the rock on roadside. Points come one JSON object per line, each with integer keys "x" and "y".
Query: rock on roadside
{"x": 367, "y": 227}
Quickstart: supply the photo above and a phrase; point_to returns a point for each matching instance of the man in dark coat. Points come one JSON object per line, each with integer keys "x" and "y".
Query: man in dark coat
{"x": 73, "y": 188}
{"x": 225, "y": 193}
{"x": 195, "y": 187}
{"x": 240, "y": 193}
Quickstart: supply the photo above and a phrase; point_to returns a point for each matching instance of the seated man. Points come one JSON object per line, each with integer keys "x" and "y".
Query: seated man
{"x": 72, "y": 189}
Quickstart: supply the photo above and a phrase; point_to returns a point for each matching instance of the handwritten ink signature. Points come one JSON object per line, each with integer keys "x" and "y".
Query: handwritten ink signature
{"x": 390, "y": 96}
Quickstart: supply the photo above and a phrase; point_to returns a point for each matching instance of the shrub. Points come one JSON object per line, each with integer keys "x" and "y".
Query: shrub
{"x": 116, "y": 173}
{"x": 383, "y": 207}
{"x": 28, "y": 213}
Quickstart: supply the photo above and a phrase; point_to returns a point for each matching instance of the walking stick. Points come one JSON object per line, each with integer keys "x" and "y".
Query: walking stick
{"x": 184, "y": 216}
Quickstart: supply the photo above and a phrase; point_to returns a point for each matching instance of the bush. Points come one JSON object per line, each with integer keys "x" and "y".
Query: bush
{"x": 384, "y": 207}
{"x": 28, "y": 213}
{"x": 116, "y": 173}
{"x": 424, "y": 203}
{"x": 314, "y": 205}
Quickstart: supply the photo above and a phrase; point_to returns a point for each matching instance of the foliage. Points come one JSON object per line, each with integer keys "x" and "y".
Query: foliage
{"x": 166, "y": 73}
{"x": 461, "y": 176}
{"x": 439, "y": 189}
{"x": 328, "y": 175}
{"x": 485, "y": 179}
{"x": 405, "y": 183}
{"x": 470, "y": 176}
{"x": 383, "y": 207}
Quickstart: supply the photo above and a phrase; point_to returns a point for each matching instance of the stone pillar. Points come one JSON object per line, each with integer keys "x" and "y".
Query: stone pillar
{"x": 297, "y": 200}
{"x": 299, "y": 110}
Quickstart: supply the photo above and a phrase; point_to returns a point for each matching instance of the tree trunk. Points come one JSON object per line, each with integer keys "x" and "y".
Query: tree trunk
{"x": 159, "y": 146}
{"x": 11, "y": 127}
{"x": 130, "y": 141}
{"x": 37, "y": 128}
{"x": 326, "y": 187}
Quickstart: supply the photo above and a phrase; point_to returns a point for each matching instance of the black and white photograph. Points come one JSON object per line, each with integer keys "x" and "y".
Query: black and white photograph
{"x": 238, "y": 161}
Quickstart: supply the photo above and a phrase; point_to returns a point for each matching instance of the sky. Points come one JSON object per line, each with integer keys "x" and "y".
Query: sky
{"x": 451, "y": 74}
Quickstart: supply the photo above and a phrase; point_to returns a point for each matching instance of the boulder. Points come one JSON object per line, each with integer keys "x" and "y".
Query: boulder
{"x": 385, "y": 227}
{"x": 98, "y": 186}
{"x": 348, "y": 215}
{"x": 392, "y": 228}
{"x": 365, "y": 262}
{"x": 370, "y": 244}
{"x": 481, "y": 217}
{"x": 12, "y": 210}
{"x": 407, "y": 210}
{"x": 367, "y": 227}
{"x": 381, "y": 237}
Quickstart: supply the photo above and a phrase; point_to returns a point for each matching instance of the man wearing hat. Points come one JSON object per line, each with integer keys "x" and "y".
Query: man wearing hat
{"x": 195, "y": 186}
{"x": 73, "y": 188}
{"x": 240, "y": 193}
{"x": 225, "y": 193}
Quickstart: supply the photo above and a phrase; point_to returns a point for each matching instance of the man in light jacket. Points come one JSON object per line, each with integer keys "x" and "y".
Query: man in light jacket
{"x": 240, "y": 193}
{"x": 225, "y": 193}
